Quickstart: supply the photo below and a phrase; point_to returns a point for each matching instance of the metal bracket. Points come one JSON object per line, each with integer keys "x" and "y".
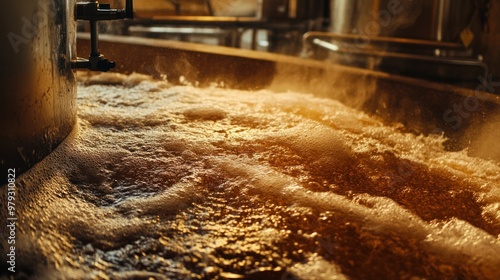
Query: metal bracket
{"x": 94, "y": 12}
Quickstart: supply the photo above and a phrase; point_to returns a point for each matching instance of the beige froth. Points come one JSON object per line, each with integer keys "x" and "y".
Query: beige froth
{"x": 180, "y": 182}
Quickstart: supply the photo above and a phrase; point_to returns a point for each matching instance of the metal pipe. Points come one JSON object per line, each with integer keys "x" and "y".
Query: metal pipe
{"x": 440, "y": 27}
{"x": 292, "y": 8}
{"x": 93, "y": 12}
{"x": 94, "y": 39}
{"x": 129, "y": 9}
{"x": 464, "y": 62}
{"x": 379, "y": 39}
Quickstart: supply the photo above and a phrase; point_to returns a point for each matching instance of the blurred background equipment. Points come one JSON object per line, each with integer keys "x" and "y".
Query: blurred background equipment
{"x": 451, "y": 41}
{"x": 440, "y": 40}
{"x": 265, "y": 25}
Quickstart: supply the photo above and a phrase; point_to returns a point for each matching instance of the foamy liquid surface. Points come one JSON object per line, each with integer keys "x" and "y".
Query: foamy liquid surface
{"x": 177, "y": 182}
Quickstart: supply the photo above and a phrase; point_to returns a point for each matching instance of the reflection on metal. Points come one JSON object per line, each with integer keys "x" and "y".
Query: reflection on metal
{"x": 37, "y": 101}
{"x": 453, "y": 30}
{"x": 238, "y": 24}
{"x": 93, "y": 12}
{"x": 240, "y": 8}
{"x": 193, "y": 20}
{"x": 174, "y": 30}
{"x": 378, "y": 39}
{"x": 283, "y": 35}
{"x": 344, "y": 14}
{"x": 402, "y": 56}
{"x": 292, "y": 9}
{"x": 326, "y": 45}
{"x": 440, "y": 21}
{"x": 434, "y": 20}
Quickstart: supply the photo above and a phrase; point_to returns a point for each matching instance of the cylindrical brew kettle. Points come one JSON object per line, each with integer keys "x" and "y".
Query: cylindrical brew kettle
{"x": 38, "y": 89}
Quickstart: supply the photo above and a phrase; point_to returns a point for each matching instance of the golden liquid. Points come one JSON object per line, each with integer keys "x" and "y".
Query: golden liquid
{"x": 188, "y": 183}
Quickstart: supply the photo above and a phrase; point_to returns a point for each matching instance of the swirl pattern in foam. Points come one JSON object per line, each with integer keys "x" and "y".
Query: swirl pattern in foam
{"x": 177, "y": 182}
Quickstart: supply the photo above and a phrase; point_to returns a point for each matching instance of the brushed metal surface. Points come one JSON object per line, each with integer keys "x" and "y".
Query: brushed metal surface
{"x": 38, "y": 96}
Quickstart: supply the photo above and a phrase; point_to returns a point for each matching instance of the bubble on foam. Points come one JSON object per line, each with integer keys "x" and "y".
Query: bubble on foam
{"x": 486, "y": 138}
{"x": 317, "y": 268}
{"x": 491, "y": 212}
{"x": 205, "y": 114}
{"x": 106, "y": 79}
{"x": 111, "y": 78}
{"x": 130, "y": 275}
{"x": 382, "y": 216}
{"x": 195, "y": 181}
{"x": 177, "y": 197}
{"x": 459, "y": 242}
{"x": 286, "y": 188}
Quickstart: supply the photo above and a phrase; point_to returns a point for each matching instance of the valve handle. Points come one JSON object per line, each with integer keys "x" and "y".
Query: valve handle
{"x": 94, "y": 12}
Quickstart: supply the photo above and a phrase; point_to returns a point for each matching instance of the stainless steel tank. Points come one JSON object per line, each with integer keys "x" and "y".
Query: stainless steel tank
{"x": 433, "y": 20}
{"x": 437, "y": 39}
{"x": 38, "y": 96}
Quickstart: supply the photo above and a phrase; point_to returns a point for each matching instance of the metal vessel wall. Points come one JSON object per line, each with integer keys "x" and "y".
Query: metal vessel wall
{"x": 38, "y": 96}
